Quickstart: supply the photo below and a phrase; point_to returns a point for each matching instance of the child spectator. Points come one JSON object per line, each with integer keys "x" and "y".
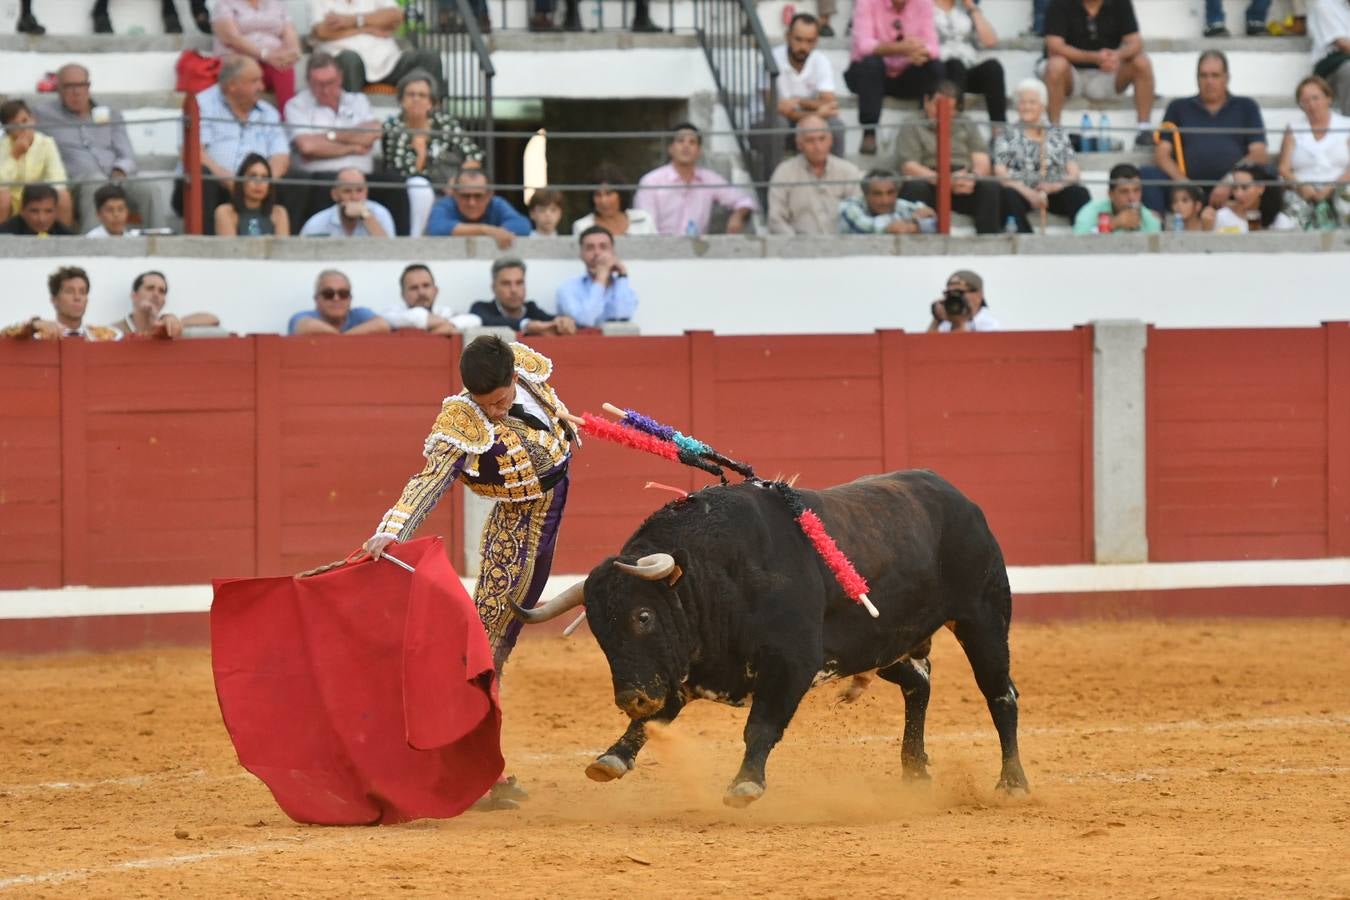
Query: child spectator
{"x": 110, "y": 204}
{"x": 546, "y": 209}
{"x": 1188, "y": 202}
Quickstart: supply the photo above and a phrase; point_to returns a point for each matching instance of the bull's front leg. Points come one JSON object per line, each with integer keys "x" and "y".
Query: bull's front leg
{"x": 780, "y": 684}
{"x": 619, "y": 759}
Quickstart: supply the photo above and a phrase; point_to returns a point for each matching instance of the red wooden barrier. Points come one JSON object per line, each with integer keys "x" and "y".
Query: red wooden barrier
{"x": 30, "y": 465}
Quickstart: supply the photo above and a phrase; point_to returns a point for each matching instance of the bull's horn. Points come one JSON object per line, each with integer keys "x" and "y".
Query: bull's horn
{"x": 568, "y": 599}
{"x": 653, "y": 567}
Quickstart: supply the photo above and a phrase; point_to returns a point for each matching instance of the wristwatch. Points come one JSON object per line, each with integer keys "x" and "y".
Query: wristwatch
{"x": 331, "y": 135}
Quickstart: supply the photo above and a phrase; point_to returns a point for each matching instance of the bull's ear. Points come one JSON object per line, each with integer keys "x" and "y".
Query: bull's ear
{"x": 682, "y": 562}
{"x": 674, "y": 576}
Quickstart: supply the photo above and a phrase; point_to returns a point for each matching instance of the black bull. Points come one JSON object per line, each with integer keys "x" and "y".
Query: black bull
{"x": 720, "y": 596}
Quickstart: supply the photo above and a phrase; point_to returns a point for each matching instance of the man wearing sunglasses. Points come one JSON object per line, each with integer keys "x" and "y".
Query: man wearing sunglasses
{"x": 333, "y": 312}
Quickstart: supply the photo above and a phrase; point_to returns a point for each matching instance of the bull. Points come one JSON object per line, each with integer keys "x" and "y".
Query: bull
{"x": 720, "y": 596}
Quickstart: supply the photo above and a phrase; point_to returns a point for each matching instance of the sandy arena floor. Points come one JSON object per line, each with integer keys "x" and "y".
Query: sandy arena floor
{"x": 1199, "y": 760}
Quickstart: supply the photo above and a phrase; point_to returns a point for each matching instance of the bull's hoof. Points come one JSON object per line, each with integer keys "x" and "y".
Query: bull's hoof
{"x": 1013, "y": 789}
{"x": 743, "y": 794}
{"x": 607, "y": 768}
{"x": 916, "y": 778}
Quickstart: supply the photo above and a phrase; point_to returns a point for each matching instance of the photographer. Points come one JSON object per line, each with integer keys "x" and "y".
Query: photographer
{"x": 962, "y": 307}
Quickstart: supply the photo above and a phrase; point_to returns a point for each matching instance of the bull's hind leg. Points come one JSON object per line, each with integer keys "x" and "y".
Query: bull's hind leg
{"x": 619, "y": 759}
{"x": 986, "y": 646}
{"x": 780, "y": 683}
{"x": 913, "y": 677}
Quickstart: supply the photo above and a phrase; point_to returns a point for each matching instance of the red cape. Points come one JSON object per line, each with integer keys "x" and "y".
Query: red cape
{"x": 363, "y": 695}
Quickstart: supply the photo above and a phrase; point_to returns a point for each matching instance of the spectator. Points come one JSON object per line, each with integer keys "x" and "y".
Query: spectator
{"x": 167, "y": 11}
{"x": 360, "y": 34}
{"x": 110, "y": 203}
{"x": 962, "y": 307}
{"x": 260, "y": 30}
{"x": 894, "y": 54}
{"x": 1315, "y": 160}
{"x": 1255, "y": 202}
{"x": 471, "y": 210}
{"x": 1227, "y": 130}
{"x": 69, "y": 289}
{"x": 28, "y": 157}
{"x": 612, "y": 205}
{"x": 333, "y": 312}
{"x": 508, "y": 307}
{"x": 1216, "y": 25}
{"x": 545, "y": 209}
{"x": 1037, "y": 162}
{"x": 352, "y": 214}
{"x": 806, "y": 190}
{"x": 1122, "y": 208}
{"x": 880, "y": 211}
{"x": 974, "y": 192}
{"x": 253, "y": 210}
{"x": 805, "y": 80}
{"x": 235, "y": 123}
{"x": 1189, "y": 209}
{"x": 95, "y": 148}
{"x": 1329, "y": 28}
{"x": 37, "y": 217}
{"x": 1093, "y": 49}
{"x": 424, "y": 146}
{"x": 149, "y": 292}
{"x": 680, "y": 195}
{"x": 604, "y": 293}
{"x": 331, "y": 129}
{"x": 419, "y": 310}
{"x": 963, "y": 32}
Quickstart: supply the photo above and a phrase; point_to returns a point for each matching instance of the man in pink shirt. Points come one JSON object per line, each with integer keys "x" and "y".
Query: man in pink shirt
{"x": 679, "y": 196}
{"x": 895, "y": 53}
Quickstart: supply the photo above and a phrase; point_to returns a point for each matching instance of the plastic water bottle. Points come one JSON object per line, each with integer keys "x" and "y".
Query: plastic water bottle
{"x": 1104, "y": 135}
{"x": 691, "y": 229}
{"x": 253, "y": 228}
{"x": 1178, "y": 223}
{"x": 1010, "y": 225}
{"x": 1089, "y": 142}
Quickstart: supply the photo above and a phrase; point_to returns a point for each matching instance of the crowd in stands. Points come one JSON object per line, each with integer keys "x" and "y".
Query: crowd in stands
{"x": 306, "y": 165}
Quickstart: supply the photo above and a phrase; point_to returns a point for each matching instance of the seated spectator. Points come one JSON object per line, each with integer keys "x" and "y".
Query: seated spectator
{"x": 604, "y": 293}
{"x": 95, "y": 149}
{"x": 1037, "y": 162}
{"x": 1189, "y": 210}
{"x": 331, "y": 129}
{"x": 424, "y": 145}
{"x": 1315, "y": 160}
{"x": 253, "y": 210}
{"x": 235, "y": 123}
{"x": 110, "y": 204}
{"x": 360, "y": 35}
{"x": 968, "y": 309}
{"x": 419, "y": 310}
{"x": 472, "y": 210}
{"x": 880, "y": 211}
{"x": 963, "y": 32}
{"x": 1097, "y": 54}
{"x": 37, "y": 218}
{"x": 1329, "y": 28}
{"x": 805, "y": 191}
{"x": 894, "y": 54}
{"x": 674, "y": 196}
{"x": 612, "y": 205}
{"x": 353, "y": 213}
{"x": 149, "y": 293}
{"x": 69, "y": 289}
{"x": 805, "y": 81}
{"x": 1216, "y": 25}
{"x": 546, "y": 209}
{"x": 1212, "y": 132}
{"x": 1122, "y": 210}
{"x": 508, "y": 307}
{"x": 1255, "y": 202}
{"x": 974, "y": 192}
{"x": 260, "y": 30}
{"x": 29, "y": 157}
{"x": 333, "y": 312}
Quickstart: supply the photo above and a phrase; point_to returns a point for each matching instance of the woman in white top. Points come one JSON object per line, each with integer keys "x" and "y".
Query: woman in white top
{"x": 1255, "y": 199}
{"x": 612, "y": 206}
{"x": 963, "y": 32}
{"x": 1315, "y": 160}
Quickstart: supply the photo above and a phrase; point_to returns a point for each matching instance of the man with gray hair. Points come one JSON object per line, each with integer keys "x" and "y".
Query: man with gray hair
{"x": 881, "y": 211}
{"x": 331, "y": 129}
{"x": 235, "y": 122}
{"x": 353, "y": 213}
{"x": 95, "y": 148}
{"x": 508, "y": 307}
{"x": 333, "y": 312}
{"x": 806, "y": 190}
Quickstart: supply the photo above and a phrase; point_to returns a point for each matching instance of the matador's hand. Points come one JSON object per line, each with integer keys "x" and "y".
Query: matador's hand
{"x": 375, "y": 546}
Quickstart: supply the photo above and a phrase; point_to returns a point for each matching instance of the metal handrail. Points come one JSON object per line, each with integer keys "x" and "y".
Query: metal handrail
{"x": 465, "y": 61}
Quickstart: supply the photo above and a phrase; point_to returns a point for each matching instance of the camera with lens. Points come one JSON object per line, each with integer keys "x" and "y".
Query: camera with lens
{"x": 954, "y": 303}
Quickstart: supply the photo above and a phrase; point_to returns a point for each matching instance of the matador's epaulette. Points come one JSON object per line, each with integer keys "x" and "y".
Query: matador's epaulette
{"x": 463, "y": 425}
{"x": 532, "y": 365}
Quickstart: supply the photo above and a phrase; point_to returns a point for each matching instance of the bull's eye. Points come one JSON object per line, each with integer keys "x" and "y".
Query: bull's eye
{"x": 643, "y": 621}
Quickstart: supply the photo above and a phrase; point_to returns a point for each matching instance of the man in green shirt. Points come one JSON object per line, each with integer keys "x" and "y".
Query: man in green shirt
{"x": 1123, "y": 207}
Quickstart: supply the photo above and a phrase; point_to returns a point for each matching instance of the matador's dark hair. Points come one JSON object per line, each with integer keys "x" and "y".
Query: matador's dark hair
{"x": 487, "y": 364}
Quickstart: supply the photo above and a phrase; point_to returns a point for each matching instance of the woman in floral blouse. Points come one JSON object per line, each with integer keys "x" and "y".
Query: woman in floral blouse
{"x": 425, "y": 146}
{"x": 1036, "y": 161}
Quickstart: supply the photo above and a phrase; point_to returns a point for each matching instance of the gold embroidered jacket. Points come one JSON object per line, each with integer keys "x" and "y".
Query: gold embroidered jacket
{"x": 501, "y": 461}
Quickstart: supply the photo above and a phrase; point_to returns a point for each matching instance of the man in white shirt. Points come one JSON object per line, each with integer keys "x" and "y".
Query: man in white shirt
{"x": 1329, "y": 28}
{"x": 962, "y": 307}
{"x": 352, "y": 214}
{"x": 360, "y": 35}
{"x": 331, "y": 129}
{"x": 806, "y": 83}
{"x": 419, "y": 310}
